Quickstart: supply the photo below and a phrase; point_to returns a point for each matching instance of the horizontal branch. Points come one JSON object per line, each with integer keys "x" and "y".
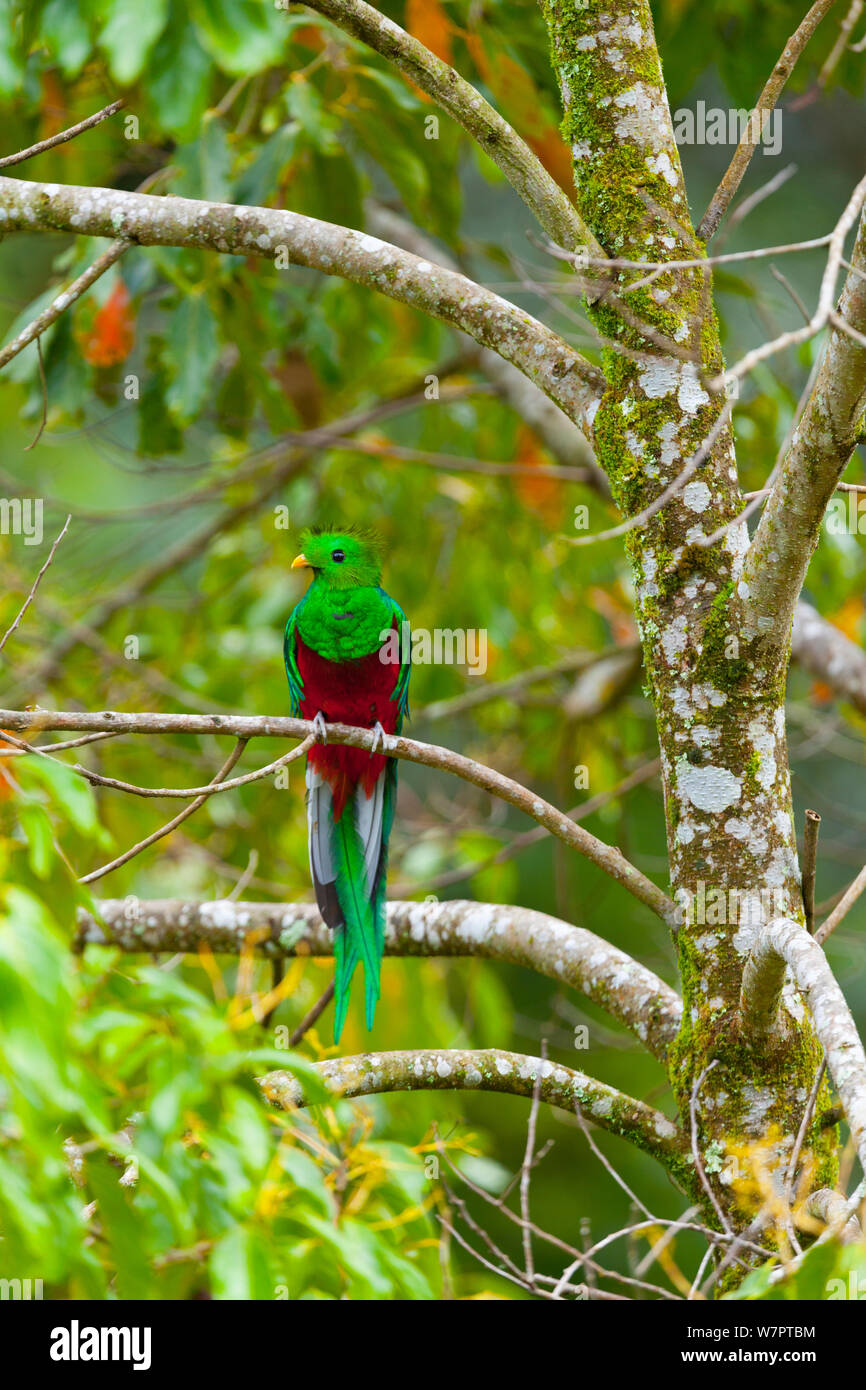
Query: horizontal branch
{"x": 523, "y": 169}
{"x": 560, "y": 371}
{"x": 785, "y": 944}
{"x": 625, "y": 989}
{"x": 604, "y": 856}
{"x": 489, "y": 1069}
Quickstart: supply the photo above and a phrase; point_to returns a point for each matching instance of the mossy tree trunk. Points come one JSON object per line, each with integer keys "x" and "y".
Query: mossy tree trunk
{"x": 719, "y": 707}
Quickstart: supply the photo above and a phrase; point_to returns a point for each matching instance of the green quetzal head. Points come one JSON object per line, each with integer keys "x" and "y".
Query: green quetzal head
{"x": 341, "y": 559}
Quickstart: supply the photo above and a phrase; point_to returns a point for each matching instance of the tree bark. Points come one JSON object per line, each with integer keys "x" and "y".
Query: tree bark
{"x": 720, "y": 719}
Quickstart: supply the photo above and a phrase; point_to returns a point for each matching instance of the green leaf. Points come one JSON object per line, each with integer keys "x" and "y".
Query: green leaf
{"x": 194, "y": 350}
{"x": 11, "y": 68}
{"x": 34, "y": 822}
{"x": 69, "y": 793}
{"x": 178, "y": 81}
{"x": 205, "y": 165}
{"x": 239, "y": 1266}
{"x": 128, "y": 35}
{"x": 66, "y": 34}
{"x": 261, "y": 177}
{"x": 243, "y": 36}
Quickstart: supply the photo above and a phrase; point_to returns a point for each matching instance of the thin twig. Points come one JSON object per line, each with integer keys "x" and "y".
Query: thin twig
{"x": 44, "y": 384}
{"x": 172, "y": 824}
{"x": 62, "y": 136}
{"x": 526, "y": 1169}
{"x": 696, "y": 1148}
{"x": 801, "y": 1132}
{"x": 310, "y": 1018}
{"x": 186, "y": 793}
{"x": 852, "y": 893}
{"x": 29, "y": 599}
{"x": 88, "y": 277}
{"x": 673, "y": 488}
{"x": 742, "y": 158}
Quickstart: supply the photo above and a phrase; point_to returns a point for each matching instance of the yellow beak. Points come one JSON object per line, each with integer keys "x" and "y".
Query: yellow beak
{"x": 300, "y": 562}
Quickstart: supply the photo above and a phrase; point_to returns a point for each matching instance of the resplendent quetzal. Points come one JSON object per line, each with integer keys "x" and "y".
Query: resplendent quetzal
{"x": 346, "y": 663}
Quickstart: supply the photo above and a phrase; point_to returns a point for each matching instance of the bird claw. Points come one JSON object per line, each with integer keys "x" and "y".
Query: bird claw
{"x": 378, "y": 736}
{"x": 320, "y": 727}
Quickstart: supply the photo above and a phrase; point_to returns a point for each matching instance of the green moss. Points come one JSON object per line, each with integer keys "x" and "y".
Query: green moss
{"x": 726, "y": 672}
{"x": 752, "y": 767}
{"x": 630, "y": 206}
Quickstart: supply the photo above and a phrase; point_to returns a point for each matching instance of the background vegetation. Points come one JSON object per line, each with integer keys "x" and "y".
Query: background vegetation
{"x": 126, "y": 1067}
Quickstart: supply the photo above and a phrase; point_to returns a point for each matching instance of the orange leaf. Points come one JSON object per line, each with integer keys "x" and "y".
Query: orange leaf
{"x": 427, "y": 22}
{"x": 112, "y": 333}
{"x": 542, "y": 494}
{"x": 7, "y": 786}
{"x": 849, "y": 617}
{"x": 821, "y": 693}
{"x": 520, "y": 102}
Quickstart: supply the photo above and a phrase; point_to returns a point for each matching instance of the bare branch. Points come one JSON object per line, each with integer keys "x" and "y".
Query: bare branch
{"x": 172, "y": 824}
{"x": 489, "y": 1069}
{"x": 554, "y": 428}
{"x": 775, "y": 563}
{"x": 625, "y": 989}
{"x": 843, "y": 907}
{"x": 845, "y": 29}
{"x": 810, "y": 863}
{"x": 313, "y": 1015}
{"x": 30, "y": 597}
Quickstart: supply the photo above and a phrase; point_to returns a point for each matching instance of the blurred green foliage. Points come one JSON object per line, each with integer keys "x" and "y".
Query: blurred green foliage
{"x": 174, "y": 391}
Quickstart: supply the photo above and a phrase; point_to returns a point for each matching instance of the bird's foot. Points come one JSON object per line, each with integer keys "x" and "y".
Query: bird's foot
{"x": 378, "y": 737}
{"x": 320, "y": 727}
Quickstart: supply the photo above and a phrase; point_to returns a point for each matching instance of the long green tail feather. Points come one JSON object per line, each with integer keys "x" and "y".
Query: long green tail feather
{"x": 345, "y": 960}
{"x": 359, "y": 938}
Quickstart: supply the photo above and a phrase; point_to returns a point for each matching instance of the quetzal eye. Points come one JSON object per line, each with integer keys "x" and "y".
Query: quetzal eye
{"x": 338, "y": 555}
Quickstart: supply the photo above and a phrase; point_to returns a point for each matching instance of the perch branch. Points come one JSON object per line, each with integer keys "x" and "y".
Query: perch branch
{"x": 606, "y": 857}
